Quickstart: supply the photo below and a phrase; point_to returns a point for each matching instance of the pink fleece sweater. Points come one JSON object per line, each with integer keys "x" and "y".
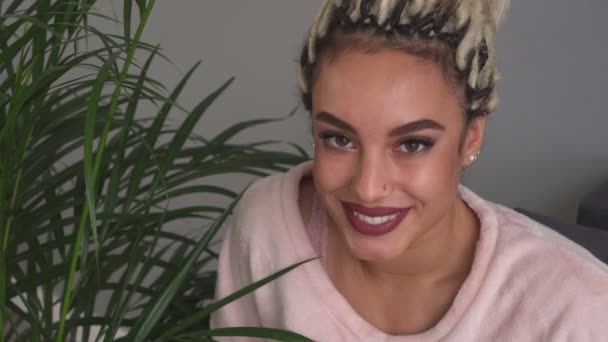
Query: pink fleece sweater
{"x": 527, "y": 283}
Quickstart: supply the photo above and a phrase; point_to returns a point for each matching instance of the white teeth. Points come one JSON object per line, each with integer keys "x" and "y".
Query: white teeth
{"x": 376, "y": 220}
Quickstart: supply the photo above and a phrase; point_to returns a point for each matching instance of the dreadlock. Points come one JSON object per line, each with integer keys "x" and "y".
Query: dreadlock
{"x": 465, "y": 28}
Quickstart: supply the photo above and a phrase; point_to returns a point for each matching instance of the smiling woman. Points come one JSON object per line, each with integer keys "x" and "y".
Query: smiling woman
{"x": 399, "y": 93}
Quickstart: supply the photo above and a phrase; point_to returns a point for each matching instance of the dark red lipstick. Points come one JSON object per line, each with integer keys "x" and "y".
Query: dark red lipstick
{"x": 360, "y": 218}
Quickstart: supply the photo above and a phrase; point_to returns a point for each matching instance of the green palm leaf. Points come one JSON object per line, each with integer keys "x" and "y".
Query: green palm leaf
{"x": 94, "y": 194}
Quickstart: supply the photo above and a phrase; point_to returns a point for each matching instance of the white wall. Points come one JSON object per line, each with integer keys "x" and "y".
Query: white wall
{"x": 545, "y": 147}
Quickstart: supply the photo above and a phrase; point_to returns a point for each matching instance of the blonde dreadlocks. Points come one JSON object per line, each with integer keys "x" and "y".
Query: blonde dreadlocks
{"x": 468, "y": 27}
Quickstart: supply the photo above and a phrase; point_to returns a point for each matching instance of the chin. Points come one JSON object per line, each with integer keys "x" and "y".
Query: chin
{"x": 375, "y": 249}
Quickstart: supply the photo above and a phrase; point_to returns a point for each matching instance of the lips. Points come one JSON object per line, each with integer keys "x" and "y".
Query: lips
{"x": 374, "y": 221}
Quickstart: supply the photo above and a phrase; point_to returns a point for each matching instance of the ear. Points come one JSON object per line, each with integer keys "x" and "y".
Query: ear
{"x": 473, "y": 139}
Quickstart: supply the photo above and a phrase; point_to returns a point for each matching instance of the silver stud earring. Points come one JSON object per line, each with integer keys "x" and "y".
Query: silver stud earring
{"x": 473, "y": 157}
{"x": 313, "y": 146}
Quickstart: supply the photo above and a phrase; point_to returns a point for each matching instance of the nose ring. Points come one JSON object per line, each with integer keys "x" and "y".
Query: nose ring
{"x": 385, "y": 187}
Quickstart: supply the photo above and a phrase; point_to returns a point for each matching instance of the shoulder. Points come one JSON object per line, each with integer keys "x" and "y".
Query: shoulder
{"x": 582, "y": 314}
{"x": 519, "y": 235}
{"x": 536, "y": 252}
{"x": 267, "y": 206}
{"x": 519, "y": 232}
{"x": 541, "y": 263}
{"x": 536, "y": 273}
{"x": 260, "y": 198}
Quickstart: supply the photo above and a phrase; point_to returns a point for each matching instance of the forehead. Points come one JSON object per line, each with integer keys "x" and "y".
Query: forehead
{"x": 388, "y": 85}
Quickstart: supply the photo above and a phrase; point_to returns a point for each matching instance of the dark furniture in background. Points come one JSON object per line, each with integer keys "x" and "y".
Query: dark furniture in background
{"x": 591, "y": 230}
{"x": 593, "y": 209}
{"x": 593, "y": 239}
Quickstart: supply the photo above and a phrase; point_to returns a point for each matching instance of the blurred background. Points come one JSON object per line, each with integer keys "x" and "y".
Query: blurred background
{"x": 545, "y": 148}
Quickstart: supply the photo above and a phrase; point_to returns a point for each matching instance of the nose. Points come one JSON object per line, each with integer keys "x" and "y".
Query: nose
{"x": 372, "y": 177}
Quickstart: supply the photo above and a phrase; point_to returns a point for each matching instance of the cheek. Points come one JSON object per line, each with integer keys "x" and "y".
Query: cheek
{"x": 332, "y": 172}
{"x": 435, "y": 177}
{"x": 445, "y": 169}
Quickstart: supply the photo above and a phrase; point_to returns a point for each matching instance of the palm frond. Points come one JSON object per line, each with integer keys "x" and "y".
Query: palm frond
{"x": 91, "y": 189}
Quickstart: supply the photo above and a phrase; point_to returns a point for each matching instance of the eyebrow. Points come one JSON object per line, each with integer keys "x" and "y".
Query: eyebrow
{"x": 334, "y": 121}
{"x": 408, "y": 128}
{"x": 415, "y": 126}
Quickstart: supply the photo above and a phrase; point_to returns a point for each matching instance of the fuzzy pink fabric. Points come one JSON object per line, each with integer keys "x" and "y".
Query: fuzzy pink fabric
{"x": 527, "y": 283}
{"x": 316, "y": 228}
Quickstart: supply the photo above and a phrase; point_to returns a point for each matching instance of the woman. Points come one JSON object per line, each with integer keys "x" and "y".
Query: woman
{"x": 399, "y": 92}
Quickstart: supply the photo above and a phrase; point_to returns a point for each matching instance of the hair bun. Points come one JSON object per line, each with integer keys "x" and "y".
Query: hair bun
{"x": 467, "y": 26}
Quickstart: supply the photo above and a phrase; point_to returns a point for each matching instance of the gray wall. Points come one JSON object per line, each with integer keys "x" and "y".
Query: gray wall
{"x": 545, "y": 147}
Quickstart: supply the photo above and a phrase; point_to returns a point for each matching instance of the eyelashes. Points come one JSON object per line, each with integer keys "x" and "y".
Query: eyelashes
{"x": 414, "y": 145}
{"x": 336, "y": 140}
{"x": 409, "y": 145}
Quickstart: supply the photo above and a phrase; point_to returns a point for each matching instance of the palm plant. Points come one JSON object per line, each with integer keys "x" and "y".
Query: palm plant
{"x": 90, "y": 185}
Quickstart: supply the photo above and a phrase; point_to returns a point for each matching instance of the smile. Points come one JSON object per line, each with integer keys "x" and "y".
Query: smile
{"x": 374, "y": 221}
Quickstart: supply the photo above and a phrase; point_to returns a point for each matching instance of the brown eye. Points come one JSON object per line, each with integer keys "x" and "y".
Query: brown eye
{"x": 337, "y": 141}
{"x": 342, "y": 141}
{"x": 414, "y": 146}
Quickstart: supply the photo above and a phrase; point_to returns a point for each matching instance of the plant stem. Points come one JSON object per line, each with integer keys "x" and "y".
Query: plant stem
{"x": 3, "y": 278}
{"x": 91, "y": 211}
{"x": 68, "y": 286}
{"x": 9, "y": 220}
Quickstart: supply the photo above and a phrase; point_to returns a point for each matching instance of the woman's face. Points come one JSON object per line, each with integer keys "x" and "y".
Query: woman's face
{"x": 390, "y": 144}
